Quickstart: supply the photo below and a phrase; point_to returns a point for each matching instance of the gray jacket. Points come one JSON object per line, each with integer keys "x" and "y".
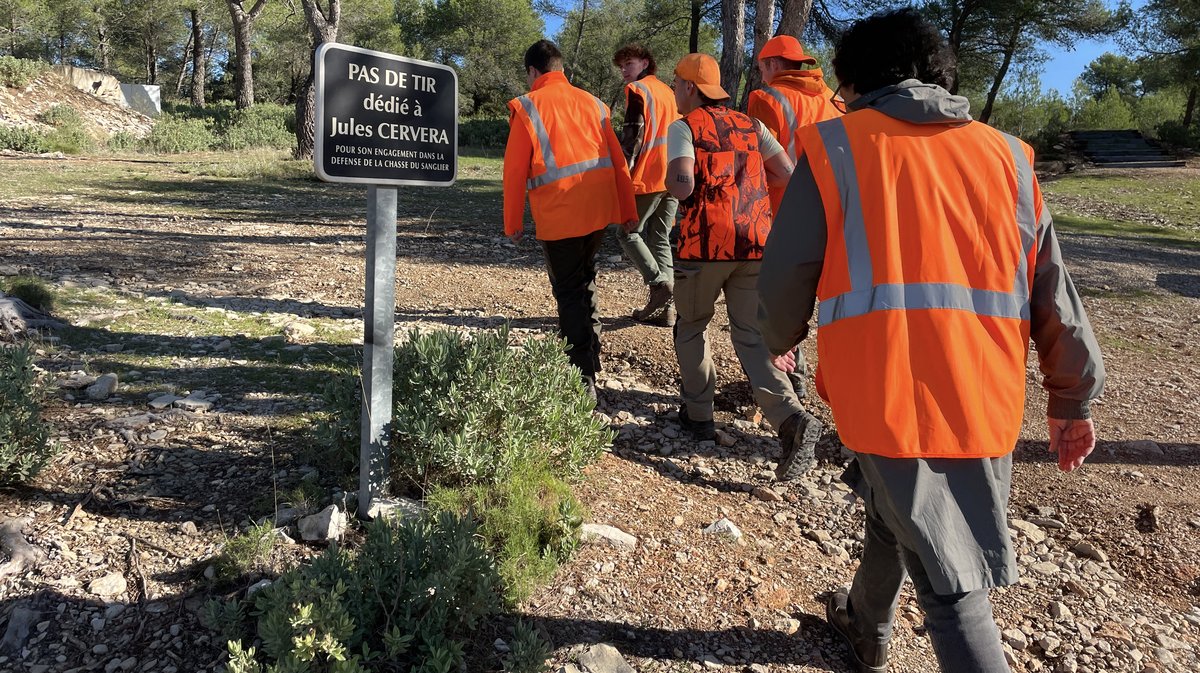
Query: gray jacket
{"x": 1071, "y": 363}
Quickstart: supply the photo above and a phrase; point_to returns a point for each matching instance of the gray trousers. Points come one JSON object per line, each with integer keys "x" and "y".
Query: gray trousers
{"x": 649, "y": 246}
{"x": 964, "y": 633}
{"x": 697, "y": 287}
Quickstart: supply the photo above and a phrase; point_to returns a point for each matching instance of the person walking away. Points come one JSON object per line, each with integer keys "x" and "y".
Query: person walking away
{"x": 563, "y": 154}
{"x": 720, "y": 163}
{"x": 924, "y": 237}
{"x": 794, "y": 95}
{"x": 649, "y": 110}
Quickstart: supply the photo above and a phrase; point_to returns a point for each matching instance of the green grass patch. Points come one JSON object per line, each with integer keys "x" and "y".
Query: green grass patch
{"x": 32, "y": 291}
{"x": 1135, "y": 345}
{"x": 245, "y": 552}
{"x": 1179, "y": 238}
{"x": 1174, "y": 197}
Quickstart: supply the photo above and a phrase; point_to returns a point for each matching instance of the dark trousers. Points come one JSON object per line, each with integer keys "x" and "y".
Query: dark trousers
{"x": 964, "y": 633}
{"x": 571, "y": 265}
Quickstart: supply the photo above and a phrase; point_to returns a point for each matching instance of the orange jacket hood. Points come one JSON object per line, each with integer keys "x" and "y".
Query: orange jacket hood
{"x": 810, "y": 82}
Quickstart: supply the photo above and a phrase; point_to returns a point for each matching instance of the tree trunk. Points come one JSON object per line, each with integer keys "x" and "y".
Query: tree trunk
{"x": 102, "y": 42}
{"x": 199, "y": 62}
{"x": 151, "y": 61}
{"x": 322, "y": 27}
{"x": 693, "y": 34}
{"x": 1189, "y": 113}
{"x": 764, "y": 19}
{"x": 794, "y": 17}
{"x": 579, "y": 38}
{"x": 1010, "y": 48}
{"x": 733, "y": 45}
{"x": 243, "y": 25}
{"x": 187, "y": 52}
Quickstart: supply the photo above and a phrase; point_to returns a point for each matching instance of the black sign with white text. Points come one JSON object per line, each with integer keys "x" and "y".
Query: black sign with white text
{"x": 383, "y": 119}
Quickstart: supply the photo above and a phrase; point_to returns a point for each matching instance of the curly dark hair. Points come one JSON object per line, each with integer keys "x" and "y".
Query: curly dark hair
{"x": 635, "y": 51}
{"x": 890, "y": 47}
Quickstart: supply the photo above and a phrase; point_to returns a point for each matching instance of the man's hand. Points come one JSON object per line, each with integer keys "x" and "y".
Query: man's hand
{"x": 516, "y": 238}
{"x": 785, "y": 363}
{"x": 1073, "y": 441}
{"x": 628, "y": 226}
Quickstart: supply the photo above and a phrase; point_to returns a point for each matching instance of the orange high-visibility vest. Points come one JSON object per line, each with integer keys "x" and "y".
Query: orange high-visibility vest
{"x": 649, "y": 171}
{"x": 923, "y": 324}
{"x": 728, "y": 215}
{"x": 794, "y": 99}
{"x": 572, "y": 190}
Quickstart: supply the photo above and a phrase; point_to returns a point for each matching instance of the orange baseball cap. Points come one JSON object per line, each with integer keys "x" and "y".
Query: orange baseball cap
{"x": 703, "y": 71}
{"x": 785, "y": 46}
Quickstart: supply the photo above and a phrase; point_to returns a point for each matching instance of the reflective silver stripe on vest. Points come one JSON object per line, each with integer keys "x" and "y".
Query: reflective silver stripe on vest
{"x": 864, "y": 297}
{"x": 837, "y": 148}
{"x": 1026, "y": 221}
{"x": 650, "y": 130}
{"x": 789, "y": 115}
{"x": 553, "y": 171}
{"x": 915, "y": 296}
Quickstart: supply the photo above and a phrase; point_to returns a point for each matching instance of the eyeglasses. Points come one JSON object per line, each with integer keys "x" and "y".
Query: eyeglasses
{"x": 838, "y": 103}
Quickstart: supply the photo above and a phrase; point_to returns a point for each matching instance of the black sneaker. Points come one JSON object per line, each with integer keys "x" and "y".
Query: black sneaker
{"x": 867, "y": 654}
{"x": 798, "y": 442}
{"x": 701, "y": 431}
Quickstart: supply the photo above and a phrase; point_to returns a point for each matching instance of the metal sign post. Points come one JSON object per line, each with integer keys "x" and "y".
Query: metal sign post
{"x": 382, "y": 120}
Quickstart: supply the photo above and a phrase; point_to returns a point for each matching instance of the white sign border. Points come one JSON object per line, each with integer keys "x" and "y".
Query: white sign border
{"x": 319, "y": 122}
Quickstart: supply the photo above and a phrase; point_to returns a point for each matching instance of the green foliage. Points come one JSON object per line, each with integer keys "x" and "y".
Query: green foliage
{"x": 224, "y": 617}
{"x": 408, "y": 600}
{"x": 1108, "y": 112}
{"x": 32, "y": 291}
{"x": 1113, "y": 70}
{"x": 25, "y": 446}
{"x": 1026, "y": 112}
{"x": 1153, "y": 110}
{"x": 60, "y": 115}
{"x": 22, "y": 139}
{"x": 528, "y": 652}
{"x": 122, "y": 141}
{"x": 69, "y": 140}
{"x": 262, "y": 125}
{"x": 172, "y": 134}
{"x": 487, "y": 132}
{"x": 1174, "y": 133}
{"x": 244, "y": 552}
{"x": 17, "y": 72}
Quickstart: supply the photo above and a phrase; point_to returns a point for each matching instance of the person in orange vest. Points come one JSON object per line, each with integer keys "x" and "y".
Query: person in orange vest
{"x": 924, "y": 237}
{"x": 794, "y": 94}
{"x": 720, "y": 163}
{"x": 649, "y": 110}
{"x": 563, "y": 153}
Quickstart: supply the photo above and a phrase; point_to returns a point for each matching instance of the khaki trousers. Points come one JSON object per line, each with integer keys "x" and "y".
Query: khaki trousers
{"x": 697, "y": 287}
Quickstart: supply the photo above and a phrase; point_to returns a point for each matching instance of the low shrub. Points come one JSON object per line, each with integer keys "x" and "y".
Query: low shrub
{"x": 262, "y": 125}
{"x": 122, "y": 141}
{"x": 244, "y": 552}
{"x": 31, "y": 291}
{"x": 1176, "y": 134}
{"x": 69, "y": 140}
{"x": 25, "y": 446}
{"x": 17, "y": 72}
{"x": 488, "y": 429}
{"x": 22, "y": 139}
{"x": 483, "y": 132}
{"x": 60, "y": 115}
{"x": 172, "y": 134}
{"x": 408, "y": 600}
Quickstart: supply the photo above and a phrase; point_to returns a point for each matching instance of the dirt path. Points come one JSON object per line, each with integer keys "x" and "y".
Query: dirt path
{"x": 1125, "y": 600}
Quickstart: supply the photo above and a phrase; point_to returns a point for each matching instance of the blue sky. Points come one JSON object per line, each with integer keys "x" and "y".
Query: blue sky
{"x": 1059, "y": 72}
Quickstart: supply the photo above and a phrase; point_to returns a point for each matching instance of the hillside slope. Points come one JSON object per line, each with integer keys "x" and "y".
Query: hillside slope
{"x": 21, "y": 106}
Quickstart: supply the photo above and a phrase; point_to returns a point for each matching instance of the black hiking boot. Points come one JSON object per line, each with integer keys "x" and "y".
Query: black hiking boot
{"x": 798, "y": 445}
{"x": 867, "y": 655}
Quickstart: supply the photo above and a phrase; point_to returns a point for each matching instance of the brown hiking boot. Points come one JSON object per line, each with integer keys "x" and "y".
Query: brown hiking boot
{"x": 867, "y": 654}
{"x": 798, "y": 445}
{"x": 658, "y": 304}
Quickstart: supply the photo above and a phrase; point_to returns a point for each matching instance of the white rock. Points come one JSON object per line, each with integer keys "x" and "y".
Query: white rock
{"x": 766, "y": 494}
{"x": 1029, "y": 530}
{"x": 103, "y": 387}
{"x": 602, "y": 534}
{"x": 1059, "y": 611}
{"x": 188, "y": 528}
{"x": 254, "y": 588}
{"x": 223, "y": 346}
{"x": 1088, "y": 550}
{"x": 724, "y": 527}
{"x": 501, "y": 646}
{"x": 328, "y": 524}
{"x": 399, "y": 509}
{"x": 193, "y": 404}
{"x": 1015, "y": 638}
{"x": 110, "y": 585}
{"x": 604, "y": 658}
{"x": 163, "y": 401}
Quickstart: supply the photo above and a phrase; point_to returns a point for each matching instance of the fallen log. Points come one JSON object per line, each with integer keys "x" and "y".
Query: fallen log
{"x": 18, "y": 317}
